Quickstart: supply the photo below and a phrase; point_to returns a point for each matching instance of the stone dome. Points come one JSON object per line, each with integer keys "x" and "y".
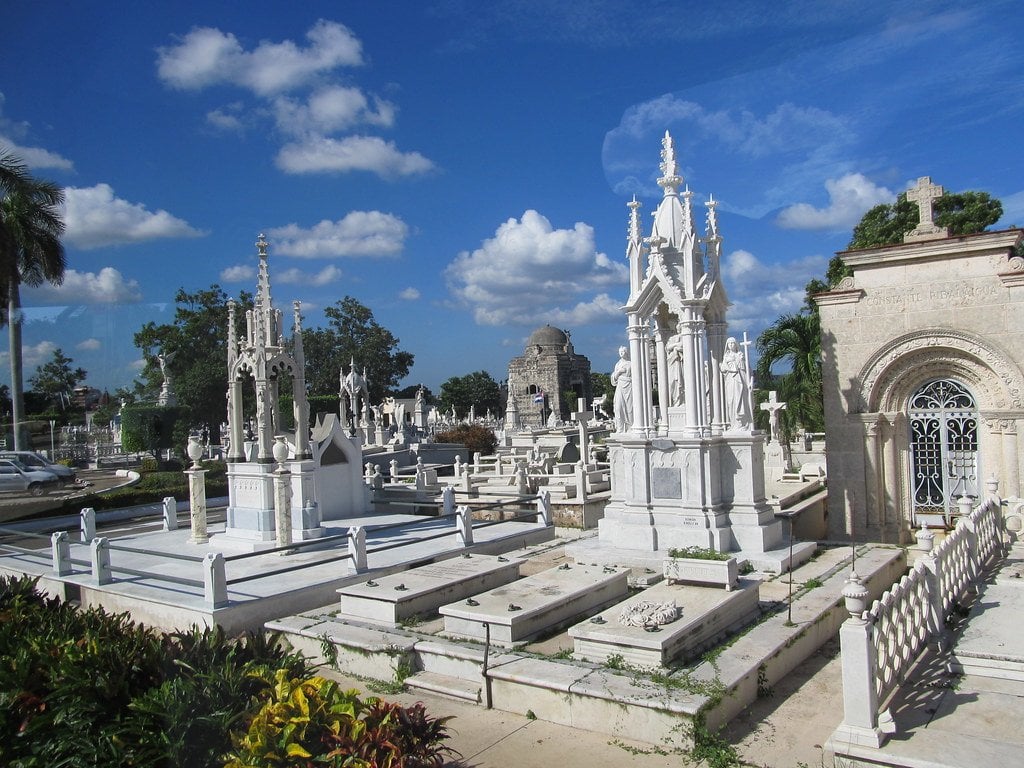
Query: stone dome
{"x": 548, "y": 337}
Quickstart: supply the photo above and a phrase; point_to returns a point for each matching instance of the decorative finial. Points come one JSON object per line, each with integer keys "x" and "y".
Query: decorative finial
{"x": 261, "y": 245}
{"x": 634, "y": 218}
{"x": 670, "y": 179}
{"x": 712, "y": 218}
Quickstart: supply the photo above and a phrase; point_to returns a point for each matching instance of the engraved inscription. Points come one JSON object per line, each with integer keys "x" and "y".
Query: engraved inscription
{"x": 666, "y": 483}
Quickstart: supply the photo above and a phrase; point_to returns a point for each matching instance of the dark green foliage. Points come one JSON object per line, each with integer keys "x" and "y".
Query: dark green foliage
{"x": 965, "y": 213}
{"x": 197, "y": 338}
{"x": 794, "y": 340}
{"x": 153, "y": 487}
{"x": 475, "y": 437}
{"x": 476, "y": 390}
{"x": 149, "y": 428}
{"x": 352, "y": 334}
{"x": 55, "y": 379}
{"x": 87, "y": 688}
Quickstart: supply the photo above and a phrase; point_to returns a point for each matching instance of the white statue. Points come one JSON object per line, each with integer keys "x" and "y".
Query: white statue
{"x": 622, "y": 380}
{"x": 674, "y": 350}
{"x": 734, "y": 374}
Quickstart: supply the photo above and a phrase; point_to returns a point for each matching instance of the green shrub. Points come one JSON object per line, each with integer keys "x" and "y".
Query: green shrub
{"x": 314, "y": 722}
{"x": 88, "y": 688}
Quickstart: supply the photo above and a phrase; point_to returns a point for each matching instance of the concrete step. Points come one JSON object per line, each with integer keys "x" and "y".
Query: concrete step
{"x": 454, "y": 687}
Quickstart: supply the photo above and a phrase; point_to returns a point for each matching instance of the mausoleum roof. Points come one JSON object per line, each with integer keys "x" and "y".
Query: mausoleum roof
{"x": 548, "y": 337}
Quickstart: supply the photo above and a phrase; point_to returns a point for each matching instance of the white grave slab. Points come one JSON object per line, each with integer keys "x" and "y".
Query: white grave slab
{"x": 529, "y": 607}
{"x": 391, "y": 599}
{"x": 706, "y": 613}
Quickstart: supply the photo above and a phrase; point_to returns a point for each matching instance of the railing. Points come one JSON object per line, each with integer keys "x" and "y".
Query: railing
{"x": 880, "y": 645}
{"x": 214, "y": 580}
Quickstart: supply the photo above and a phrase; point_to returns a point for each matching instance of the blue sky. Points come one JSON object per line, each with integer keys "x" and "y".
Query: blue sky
{"x": 463, "y": 168}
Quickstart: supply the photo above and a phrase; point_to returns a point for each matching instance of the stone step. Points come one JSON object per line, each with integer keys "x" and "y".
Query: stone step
{"x": 456, "y": 688}
{"x": 517, "y": 612}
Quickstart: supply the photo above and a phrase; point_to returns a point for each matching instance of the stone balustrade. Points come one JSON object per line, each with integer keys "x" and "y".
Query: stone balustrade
{"x": 880, "y": 644}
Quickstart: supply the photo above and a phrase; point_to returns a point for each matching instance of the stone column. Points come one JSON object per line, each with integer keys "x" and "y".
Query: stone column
{"x": 664, "y": 395}
{"x": 716, "y": 346}
{"x": 872, "y": 469}
{"x": 688, "y": 328}
{"x": 637, "y": 373}
{"x": 197, "y": 493}
{"x": 282, "y": 495}
{"x": 895, "y": 438}
{"x": 1011, "y": 467}
{"x": 860, "y": 700}
{"x": 236, "y": 451}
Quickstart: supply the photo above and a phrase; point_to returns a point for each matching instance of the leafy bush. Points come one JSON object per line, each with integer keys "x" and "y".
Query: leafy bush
{"x": 87, "y": 688}
{"x": 475, "y": 437}
{"x": 313, "y": 722}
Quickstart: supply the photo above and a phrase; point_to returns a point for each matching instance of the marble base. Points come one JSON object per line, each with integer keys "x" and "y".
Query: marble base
{"x": 707, "y": 614}
{"x": 532, "y": 606}
{"x": 424, "y": 589}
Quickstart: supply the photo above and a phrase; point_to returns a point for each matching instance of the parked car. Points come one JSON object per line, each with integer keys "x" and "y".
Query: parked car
{"x": 33, "y": 460}
{"x": 15, "y": 476}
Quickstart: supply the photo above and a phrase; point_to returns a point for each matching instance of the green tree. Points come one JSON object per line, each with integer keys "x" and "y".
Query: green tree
{"x": 150, "y": 428}
{"x": 478, "y": 390}
{"x": 197, "y": 339}
{"x": 31, "y": 252}
{"x": 352, "y": 334}
{"x": 56, "y": 379}
{"x": 965, "y": 213}
{"x": 796, "y": 341}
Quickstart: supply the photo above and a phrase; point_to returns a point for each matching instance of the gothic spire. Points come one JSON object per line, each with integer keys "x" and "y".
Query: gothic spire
{"x": 670, "y": 178}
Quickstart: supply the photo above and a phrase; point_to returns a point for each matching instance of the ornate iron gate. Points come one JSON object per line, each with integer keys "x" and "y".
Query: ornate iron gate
{"x": 943, "y": 447}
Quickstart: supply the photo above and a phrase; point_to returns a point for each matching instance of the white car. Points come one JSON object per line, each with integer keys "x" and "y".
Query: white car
{"x": 36, "y": 461}
{"x": 15, "y": 476}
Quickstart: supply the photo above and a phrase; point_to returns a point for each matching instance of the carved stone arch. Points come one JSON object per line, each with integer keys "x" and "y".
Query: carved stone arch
{"x": 904, "y": 364}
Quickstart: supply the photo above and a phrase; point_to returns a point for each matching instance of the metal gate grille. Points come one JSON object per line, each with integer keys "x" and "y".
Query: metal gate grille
{"x": 943, "y": 446}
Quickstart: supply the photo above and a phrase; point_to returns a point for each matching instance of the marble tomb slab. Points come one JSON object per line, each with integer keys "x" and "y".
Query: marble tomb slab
{"x": 705, "y": 614}
{"x": 389, "y": 600}
{"x": 524, "y": 609}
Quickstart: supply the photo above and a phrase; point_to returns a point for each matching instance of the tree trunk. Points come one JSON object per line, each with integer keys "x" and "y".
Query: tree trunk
{"x": 14, "y": 320}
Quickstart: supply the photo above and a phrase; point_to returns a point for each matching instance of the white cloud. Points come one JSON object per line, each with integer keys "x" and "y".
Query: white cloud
{"x": 788, "y": 147}
{"x": 325, "y": 276}
{"x": 849, "y": 198}
{"x": 409, "y": 294}
{"x": 227, "y": 118}
{"x": 108, "y": 286}
{"x": 240, "y": 273}
{"x": 321, "y": 154}
{"x": 359, "y": 233}
{"x": 12, "y": 136}
{"x": 760, "y": 292}
{"x": 94, "y": 217}
{"x": 207, "y": 56}
{"x": 330, "y": 109}
{"x": 35, "y": 157}
{"x": 89, "y": 345}
{"x": 32, "y": 355}
{"x": 530, "y": 272}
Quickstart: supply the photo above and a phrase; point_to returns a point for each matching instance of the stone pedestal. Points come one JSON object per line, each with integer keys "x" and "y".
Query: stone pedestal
{"x": 250, "y": 514}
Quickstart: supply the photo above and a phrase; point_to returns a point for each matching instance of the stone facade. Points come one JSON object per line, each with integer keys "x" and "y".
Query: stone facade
{"x": 924, "y": 391}
{"x": 549, "y": 366}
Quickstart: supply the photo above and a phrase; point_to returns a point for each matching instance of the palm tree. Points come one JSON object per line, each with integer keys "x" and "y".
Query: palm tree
{"x": 30, "y": 252}
{"x": 795, "y": 339}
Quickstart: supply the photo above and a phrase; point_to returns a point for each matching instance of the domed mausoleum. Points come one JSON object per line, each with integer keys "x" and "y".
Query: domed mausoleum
{"x": 540, "y": 378}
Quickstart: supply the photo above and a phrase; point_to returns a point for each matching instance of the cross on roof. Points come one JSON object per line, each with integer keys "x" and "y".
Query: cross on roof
{"x": 924, "y": 193}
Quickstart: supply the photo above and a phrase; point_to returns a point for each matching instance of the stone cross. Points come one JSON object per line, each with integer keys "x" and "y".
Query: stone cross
{"x": 583, "y": 416}
{"x": 924, "y": 193}
{"x": 773, "y": 406}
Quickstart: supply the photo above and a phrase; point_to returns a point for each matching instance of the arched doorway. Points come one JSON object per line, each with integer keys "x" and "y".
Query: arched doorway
{"x": 943, "y": 418}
